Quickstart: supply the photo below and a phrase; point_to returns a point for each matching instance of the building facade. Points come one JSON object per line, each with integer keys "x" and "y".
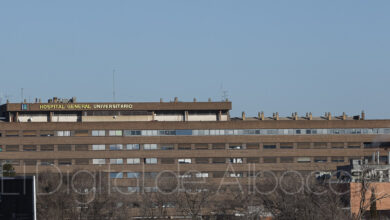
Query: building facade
{"x": 141, "y": 140}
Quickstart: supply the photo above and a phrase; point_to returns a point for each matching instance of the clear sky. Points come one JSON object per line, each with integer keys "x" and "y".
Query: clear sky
{"x": 286, "y": 56}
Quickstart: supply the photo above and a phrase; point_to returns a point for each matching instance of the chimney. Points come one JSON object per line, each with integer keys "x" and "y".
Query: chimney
{"x": 310, "y": 116}
{"x": 329, "y": 116}
{"x": 277, "y": 115}
{"x": 209, "y": 99}
{"x": 296, "y": 116}
{"x": 344, "y": 116}
{"x": 161, "y": 100}
{"x": 363, "y": 115}
{"x": 55, "y": 99}
{"x": 261, "y": 115}
{"x": 226, "y": 100}
{"x": 25, "y": 101}
{"x": 194, "y": 99}
{"x": 243, "y": 116}
{"x": 273, "y": 116}
{"x": 176, "y": 99}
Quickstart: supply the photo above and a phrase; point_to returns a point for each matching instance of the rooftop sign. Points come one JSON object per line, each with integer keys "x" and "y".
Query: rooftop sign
{"x": 60, "y": 106}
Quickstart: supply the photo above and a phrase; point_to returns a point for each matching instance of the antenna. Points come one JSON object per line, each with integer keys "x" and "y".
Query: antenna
{"x": 113, "y": 85}
{"x": 224, "y": 93}
{"x": 21, "y": 94}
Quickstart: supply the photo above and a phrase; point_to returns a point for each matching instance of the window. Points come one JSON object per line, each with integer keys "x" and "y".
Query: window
{"x": 201, "y": 160}
{"x": 133, "y": 175}
{"x": 235, "y": 146}
{"x": 167, "y": 161}
{"x": 133, "y": 161}
{"x": 116, "y": 161}
{"x": 132, "y": 188}
{"x": 116, "y": 175}
{"x": 47, "y": 162}
{"x": 370, "y": 145}
{"x": 202, "y": 175}
{"x": 29, "y": 133}
{"x": 12, "y": 148}
{"x": 184, "y": 147}
{"x": 98, "y": 147}
{"x": 150, "y": 146}
{"x": 306, "y": 145}
{"x": 219, "y": 160}
{"x": 303, "y": 159}
{"x": 150, "y": 160}
{"x": 353, "y": 145}
{"x": 252, "y": 160}
{"x": 63, "y": 133}
{"x": 183, "y": 132}
{"x": 235, "y": 160}
{"x": 320, "y": 145}
{"x": 201, "y": 146}
{"x": 12, "y": 133}
{"x": 64, "y": 147}
{"x": 320, "y": 159}
{"x": 30, "y": 162}
{"x": 81, "y": 133}
{"x": 150, "y": 189}
{"x": 269, "y": 159}
{"x": 184, "y": 160}
{"x": 338, "y": 145}
{"x": 47, "y": 147}
{"x": 81, "y": 147}
{"x": 83, "y": 161}
{"x": 63, "y": 162}
{"x": 286, "y": 159}
{"x": 269, "y": 146}
{"x": 337, "y": 159}
{"x": 252, "y": 146}
{"x": 115, "y": 133}
{"x": 286, "y": 145}
{"x": 219, "y": 146}
{"x": 98, "y": 133}
{"x": 98, "y": 161}
{"x": 167, "y": 147}
{"x": 47, "y": 133}
{"x": 132, "y": 147}
{"x": 150, "y": 174}
{"x": 116, "y": 146}
{"x": 29, "y": 148}
{"x": 236, "y": 175}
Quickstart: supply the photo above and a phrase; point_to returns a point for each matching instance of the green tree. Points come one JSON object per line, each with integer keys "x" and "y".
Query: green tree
{"x": 8, "y": 170}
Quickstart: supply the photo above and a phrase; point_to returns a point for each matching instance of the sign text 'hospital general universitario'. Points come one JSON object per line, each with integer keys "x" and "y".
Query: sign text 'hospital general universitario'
{"x": 84, "y": 106}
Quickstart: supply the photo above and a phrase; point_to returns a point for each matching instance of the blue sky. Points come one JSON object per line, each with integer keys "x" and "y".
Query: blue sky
{"x": 285, "y": 56}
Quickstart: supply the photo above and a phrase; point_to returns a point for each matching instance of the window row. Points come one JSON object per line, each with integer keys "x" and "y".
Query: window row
{"x": 189, "y": 132}
{"x": 200, "y": 146}
{"x": 198, "y": 160}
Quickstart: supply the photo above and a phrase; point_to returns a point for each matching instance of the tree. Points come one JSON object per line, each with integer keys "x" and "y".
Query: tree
{"x": 8, "y": 170}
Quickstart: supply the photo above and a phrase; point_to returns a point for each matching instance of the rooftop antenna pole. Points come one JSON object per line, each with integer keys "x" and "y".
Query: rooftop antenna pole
{"x": 113, "y": 85}
{"x": 21, "y": 94}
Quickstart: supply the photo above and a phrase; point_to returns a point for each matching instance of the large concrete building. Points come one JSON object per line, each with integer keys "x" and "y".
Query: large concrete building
{"x": 134, "y": 140}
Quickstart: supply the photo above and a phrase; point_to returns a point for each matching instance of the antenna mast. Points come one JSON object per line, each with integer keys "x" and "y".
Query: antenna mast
{"x": 113, "y": 85}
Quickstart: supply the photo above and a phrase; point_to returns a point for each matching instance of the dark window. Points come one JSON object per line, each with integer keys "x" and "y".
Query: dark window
{"x": 47, "y": 147}
{"x": 219, "y": 146}
{"x": 167, "y": 147}
{"x": 184, "y": 147}
{"x": 320, "y": 145}
{"x": 167, "y": 161}
{"x": 65, "y": 162}
{"x": 337, "y": 159}
{"x": 29, "y": 133}
{"x": 201, "y": 146}
{"x": 269, "y": 159}
{"x": 47, "y": 133}
{"x": 29, "y": 148}
{"x": 252, "y": 160}
{"x": 12, "y": 148}
{"x": 252, "y": 146}
{"x": 30, "y": 162}
{"x": 338, "y": 145}
{"x": 269, "y": 146}
{"x": 286, "y": 145}
{"x": 201, "y": 160}
{"x": 303, "y": 145}
{"x": 64, "y": 147}
{"x": 320, "y": 159}
{"x": 12, "y": 133}
{"x": 219, "y": 160}
{"x": 82, "y": 161}
{"x": 287, "y": 159}
{"x": 81, "y": 133}
{"x": 81, "y": 147}
{"x": 47, "y": 162}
